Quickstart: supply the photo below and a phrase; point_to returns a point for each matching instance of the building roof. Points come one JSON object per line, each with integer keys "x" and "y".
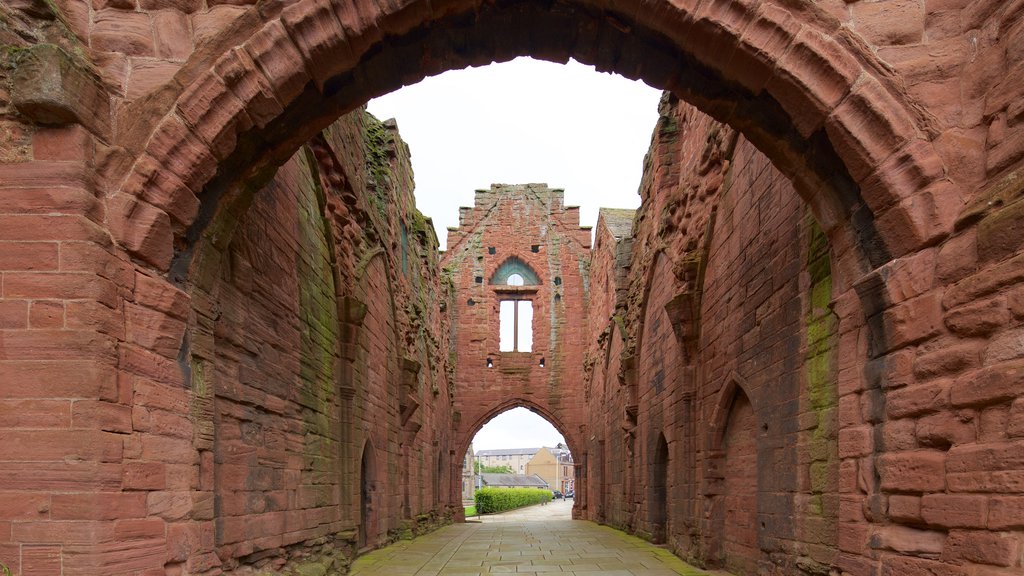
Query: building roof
{"x": 514, "y": 480}
{"x": 619, "y": 221}
{"x": 508, "y": 452}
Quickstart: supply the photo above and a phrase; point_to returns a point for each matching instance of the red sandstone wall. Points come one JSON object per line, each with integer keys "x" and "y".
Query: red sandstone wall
{"x": 319, "y": 356}
{"x": 102, "y": 478}
{"x": 531, "y": 223}
{"x": 720, "y": 315}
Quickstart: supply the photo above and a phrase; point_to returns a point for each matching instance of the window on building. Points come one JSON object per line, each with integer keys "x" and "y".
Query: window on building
{"x": 516, "y": 325}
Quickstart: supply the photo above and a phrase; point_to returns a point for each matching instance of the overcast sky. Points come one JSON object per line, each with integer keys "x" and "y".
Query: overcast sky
{"x": 518, "y": 122}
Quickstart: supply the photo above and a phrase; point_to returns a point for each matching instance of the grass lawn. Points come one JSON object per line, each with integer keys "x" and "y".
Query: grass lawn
{"x": 470, "y": 511}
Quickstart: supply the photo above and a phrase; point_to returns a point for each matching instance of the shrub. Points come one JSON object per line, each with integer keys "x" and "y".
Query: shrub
{"x": 491, "y": 500}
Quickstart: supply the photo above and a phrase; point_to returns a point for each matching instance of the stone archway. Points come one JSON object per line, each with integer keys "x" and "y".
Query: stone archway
{"x": 858, "y": 154}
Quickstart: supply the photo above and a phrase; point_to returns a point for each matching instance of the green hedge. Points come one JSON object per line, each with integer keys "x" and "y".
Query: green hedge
{"x": 491, "y": 500}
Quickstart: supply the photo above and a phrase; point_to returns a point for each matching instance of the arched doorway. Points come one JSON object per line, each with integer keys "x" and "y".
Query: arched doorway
{"x": 338, "y": 56}
{"x": 368, "y": 524}
{"x": 740, "y": 551}
{"x": 657, "y": 502}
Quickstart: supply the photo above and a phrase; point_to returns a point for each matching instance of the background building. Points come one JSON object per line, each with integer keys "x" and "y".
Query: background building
{"x": 555, "y": 466}
{"x": 514, "y": 458}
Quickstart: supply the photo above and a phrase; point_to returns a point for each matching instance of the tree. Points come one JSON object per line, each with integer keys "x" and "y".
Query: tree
{"x": 492, "y": 469}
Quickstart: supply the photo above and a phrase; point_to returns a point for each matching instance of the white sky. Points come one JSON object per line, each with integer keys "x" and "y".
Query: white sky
{"x": 517, "y": 428}
{"x": 519, "y": 122}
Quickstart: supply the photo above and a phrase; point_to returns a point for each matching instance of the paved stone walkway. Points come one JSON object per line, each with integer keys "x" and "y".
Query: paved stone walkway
{"x": 539, "y": 540}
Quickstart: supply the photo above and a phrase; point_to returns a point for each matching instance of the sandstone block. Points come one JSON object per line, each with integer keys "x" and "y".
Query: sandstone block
{"x": 213, "y": 111}
{"x": 1015, "y": 426}
{"x": 98, "y": 506}
{"x": 919, "y": 399}
{"x": 163, "y": 6}
{"x": 280, "y": 61}
{"x": 129, "y": 33}
{"x": 63, "y": 143}
{"x": 913, "y": 471}
{"x": 28, "y": 256}
{"x": 868, "y": 127}
{"x": 142, "y": 229}
{"x": 170, "y": 506}
{"x": 24, "y": 506}
{"x": 183, "y": 154}
{"x": 905, "y": 508}
{"x": 154, "y": 330}
{"x": 907, "y": 540}
{"x": 172, "y": 39}
{"x": 319, "y": 37}
{"x": 1005, "y": 346}
{"x": 1006, "y": 513}
{"x": 890, "y": 23}
{"x": 909, "y": 322}
{"x": 148, "y": 75}
{"x": 765, "y": 38}
{"x": 913, "y": 566}
{"x": 946, "y": 429}
{"x": 98, "y": 415}
{"x": 812, "y": 78}
{"x": 978, "y": 318}
{"x": 987, "y": 457}
{"x": 43, "y": 559}
{"x": 982, "y": 547}
{"x": 144, "y": 476}
{"x": 52, "y": 87}
{"x": 955, "y": 510}
{"x": 902, "y": 175}
{"x": 985, "y": 282}
{"x": 855, "y": 442}
{"x": 990, "y": 385}
{"x": 948, "y": 361}
{"x": 922, "y": 219}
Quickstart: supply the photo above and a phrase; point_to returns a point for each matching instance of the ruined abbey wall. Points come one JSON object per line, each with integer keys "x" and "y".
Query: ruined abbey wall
{"x": 718, "y": 400}
{"x": 525, "y": 230}
{"x": 165, "y": 377}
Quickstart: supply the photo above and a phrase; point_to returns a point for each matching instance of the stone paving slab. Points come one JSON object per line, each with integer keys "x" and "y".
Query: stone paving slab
{"x": 537, "y": 541}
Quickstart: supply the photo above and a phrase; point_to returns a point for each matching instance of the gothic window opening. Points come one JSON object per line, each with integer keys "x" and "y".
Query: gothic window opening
{"x": 516, "y": 325}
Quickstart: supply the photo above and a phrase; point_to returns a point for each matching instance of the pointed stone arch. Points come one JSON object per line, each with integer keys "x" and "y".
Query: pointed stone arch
{"x": 658, "y": 516}
{"x": 368, "y": 491}
{"x": 466, "y": 433}
{"x": 794, "y": 82}
{"x": 732, "y": 479}
{"x": 514, "y": 265}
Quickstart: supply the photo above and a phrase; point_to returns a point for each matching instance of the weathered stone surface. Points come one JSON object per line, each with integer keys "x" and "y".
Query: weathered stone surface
{"x": 52, "y": 87}
{"x": 260, "y": 369}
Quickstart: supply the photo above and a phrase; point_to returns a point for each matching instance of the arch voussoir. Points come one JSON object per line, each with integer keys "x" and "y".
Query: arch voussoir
{"x": 920, "y": 220}
{"x": 316, "y": 31}
{"x": 152, "y": 183}
{"x": 812, "y": 77}
{"x": 281, "y": 61}
{"x": 903, "y": 174}
{"x": 249, "y": 85}
{"x": 141, "y": 228}
{"x": 717, "y": 28}
{"x": 868, "y": 127}
{"x": 214, "y": 113}
{"x": 763, "y": 43}
{"x": 182, "y": 153}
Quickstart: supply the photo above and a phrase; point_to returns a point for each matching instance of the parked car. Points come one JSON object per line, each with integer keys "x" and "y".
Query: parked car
{"x": 569, "y": 494}
{"x": 555, "y": 494}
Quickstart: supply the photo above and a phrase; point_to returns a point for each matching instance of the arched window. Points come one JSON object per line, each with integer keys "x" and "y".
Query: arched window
{"x": 512, "y": 269}
{"x": 516, "y": 329}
